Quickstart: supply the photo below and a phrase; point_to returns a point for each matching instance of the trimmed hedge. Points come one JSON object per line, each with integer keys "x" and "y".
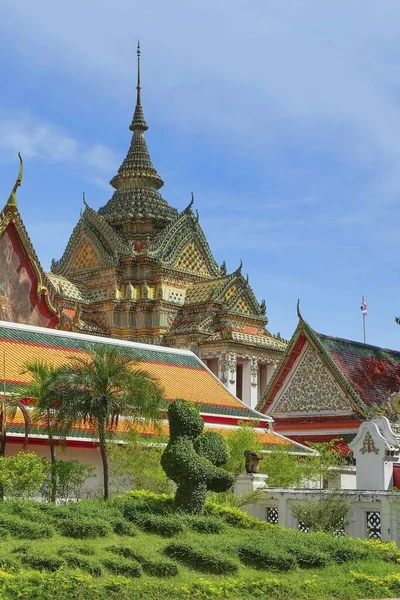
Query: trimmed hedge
{"x": 264, "y": 558}
{"x": 23, "y": 529}
{"x": 85, "y": 549}
{"x": 77, "y": 561}
{"x": 166, "y": 526}
{"x": 122, "y": 527}
{"x": 205, "y": 562}
{"x": 84, "y": 528}
{"x": 151, "y": 567}
{"x": 123, "y": 566}
{"x": 43, "y": 562}
{"x": 207, "y": 525}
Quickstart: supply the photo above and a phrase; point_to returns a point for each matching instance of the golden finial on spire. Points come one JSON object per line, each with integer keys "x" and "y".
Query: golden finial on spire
{"x": 138, "y": 51}
{"x": 12, "y": 201}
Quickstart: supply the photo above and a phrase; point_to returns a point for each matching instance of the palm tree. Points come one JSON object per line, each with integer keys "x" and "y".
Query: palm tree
{"x": 42, "y": 390}
{"x": 104, "y": 387}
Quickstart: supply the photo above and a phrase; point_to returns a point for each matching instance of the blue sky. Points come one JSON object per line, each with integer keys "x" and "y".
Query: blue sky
{"x": 282, "y": 117}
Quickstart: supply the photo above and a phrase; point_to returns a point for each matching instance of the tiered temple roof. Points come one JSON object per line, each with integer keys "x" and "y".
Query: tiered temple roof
{"x": 180, "y": 372}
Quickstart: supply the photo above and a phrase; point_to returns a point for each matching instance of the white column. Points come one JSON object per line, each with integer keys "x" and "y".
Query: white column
{"x": 246, "y": 383}
{"x": 254, "y": 382}
{"x": 231, "y": 373}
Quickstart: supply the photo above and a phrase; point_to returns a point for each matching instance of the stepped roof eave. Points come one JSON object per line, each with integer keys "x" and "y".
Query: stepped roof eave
{"x": 181, "y": 372}
{"x": 267, "y": 342}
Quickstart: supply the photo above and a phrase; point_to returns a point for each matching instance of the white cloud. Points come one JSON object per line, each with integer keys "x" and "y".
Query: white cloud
{"x": 44, "y": 141}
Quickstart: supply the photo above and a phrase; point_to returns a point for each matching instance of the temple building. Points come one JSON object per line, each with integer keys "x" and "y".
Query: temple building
{"x": 139, "y": 270}
{"x": 326, "y": 387}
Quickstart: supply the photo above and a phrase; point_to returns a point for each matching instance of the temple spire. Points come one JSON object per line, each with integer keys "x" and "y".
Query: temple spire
{"x": 137, "y": 182}
{"x": 138, "y": 122}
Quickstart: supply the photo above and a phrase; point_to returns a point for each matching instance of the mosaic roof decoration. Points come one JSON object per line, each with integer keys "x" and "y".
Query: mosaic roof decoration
{"x": 367, "y": 375}
{"x": 180, "y": 372}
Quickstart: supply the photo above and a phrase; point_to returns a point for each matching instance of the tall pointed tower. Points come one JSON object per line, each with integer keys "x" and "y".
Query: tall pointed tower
{"x": 137, "y": 208}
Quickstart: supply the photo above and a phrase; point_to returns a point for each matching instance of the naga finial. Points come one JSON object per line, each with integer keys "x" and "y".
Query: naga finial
{"x": 12, "y": 201}
{"x": 189, "y": 206}
{"x": 239, "y": 269}
{"x": 84, "y": 200}
{"x": 300, "y": 316}
{"x": 197, "y": 216}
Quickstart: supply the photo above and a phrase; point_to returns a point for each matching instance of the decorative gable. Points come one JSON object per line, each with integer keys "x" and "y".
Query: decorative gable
{"x": 191, "y": 259}
{"x": 242, "y": 306}
{"x": 311, "y": 388}
{"x": 84, "y": 258}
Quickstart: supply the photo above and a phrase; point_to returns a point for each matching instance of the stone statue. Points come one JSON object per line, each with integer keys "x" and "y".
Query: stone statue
{"x": 252, "y": 460}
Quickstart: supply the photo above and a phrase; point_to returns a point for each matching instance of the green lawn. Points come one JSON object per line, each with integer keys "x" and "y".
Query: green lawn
{"x": 137, "y": 547}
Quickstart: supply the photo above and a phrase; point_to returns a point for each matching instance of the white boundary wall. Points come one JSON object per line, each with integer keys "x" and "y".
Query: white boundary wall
{"x": 374, "y": 514}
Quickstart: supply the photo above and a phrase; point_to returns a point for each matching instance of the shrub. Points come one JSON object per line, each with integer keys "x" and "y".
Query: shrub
{"x": 206, "y": 562}
{"x": 207, "y": 525}
{"x": 122, "y": 527}
{"x": 41, "y": 561}
{"x": 84, "y": 528}
{"x": 193, "y": 473}
{"x": 266, "y": 558}
{"x": 236, "y": 517}
{"x": 85, "y": 550}
{"x": 155, "y": 568}
{"x": 23, "y": 529}
{"x": 122, "y": 566}
{"x": 22, "y": 475}
{"x": 166, "y": 526}
{"x": 77, "y": 561}
{"x": 328, "y": 515}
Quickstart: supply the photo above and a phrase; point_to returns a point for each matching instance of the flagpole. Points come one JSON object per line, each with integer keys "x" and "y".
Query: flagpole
{"x": 363, "y": 322}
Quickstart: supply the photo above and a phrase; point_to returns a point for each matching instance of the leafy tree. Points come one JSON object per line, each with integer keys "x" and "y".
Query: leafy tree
{"x": 136, "y": 465}
{"x": 241, "y": 439}
{"x": 42, "y": 390}
{"x": 71, "y": 475}
{"x": 101, "y": 388}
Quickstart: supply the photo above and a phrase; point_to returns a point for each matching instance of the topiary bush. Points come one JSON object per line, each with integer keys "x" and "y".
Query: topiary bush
{"x": 122, "y": 566}
{"x": 84, "y": 528}
{"x": 201, "y": 560}
{"x": 122, "y": 527}
{"x": 193, "y": 460}
{"x": 84, "y": 549}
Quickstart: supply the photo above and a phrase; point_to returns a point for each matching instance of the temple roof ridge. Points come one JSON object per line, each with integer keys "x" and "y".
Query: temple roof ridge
{"x": 137, "y": 182}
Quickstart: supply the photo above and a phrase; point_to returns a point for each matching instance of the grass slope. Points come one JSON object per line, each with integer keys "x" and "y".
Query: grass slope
{"x": 138, "y": 547}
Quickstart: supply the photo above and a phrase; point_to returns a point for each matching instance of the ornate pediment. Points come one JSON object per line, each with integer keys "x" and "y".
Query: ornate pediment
{"x": 85, "y": 258}
{"x": 310, "y": 388}
{"x": 191, "y": 259}
{"x": 93, "y": 244}
{"x": 183, "y": 245}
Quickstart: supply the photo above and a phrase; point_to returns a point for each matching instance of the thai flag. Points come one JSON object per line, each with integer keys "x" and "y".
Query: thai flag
{"x": 364, "y": 307}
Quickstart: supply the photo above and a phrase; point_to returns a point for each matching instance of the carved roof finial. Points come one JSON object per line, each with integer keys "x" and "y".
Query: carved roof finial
{"x": 12, "y": 201}
{"x": 239, "y": 269}
{"x": 189, "y": 206}
{"x": 300, "y": 316}
{"x": 84, "y": 200}
{"x": 197, "y": 216}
